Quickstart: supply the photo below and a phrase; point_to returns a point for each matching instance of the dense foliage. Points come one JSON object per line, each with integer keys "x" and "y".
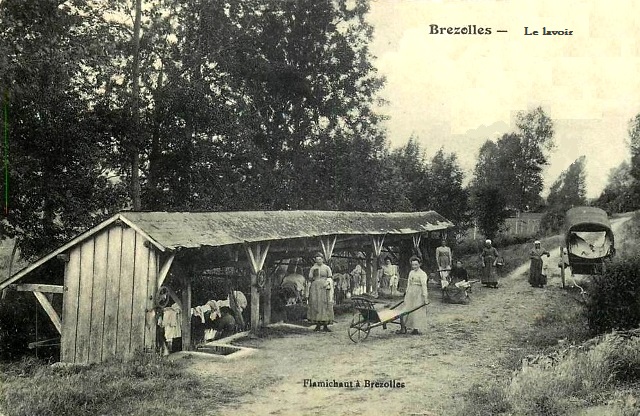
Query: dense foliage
{"x": 205, "y": 105}
{"x": 615, "y": 297}
{"x": 508, "y": 172}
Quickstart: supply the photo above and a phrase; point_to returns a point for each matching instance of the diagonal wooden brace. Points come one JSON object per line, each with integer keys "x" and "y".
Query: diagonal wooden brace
{"x": 165, "y": 269}
{"x": 328, "y": 244}
{"x": 46, "y": 305}
{"x": 377, "y": 241}
{"x": 416, "y": 241}
{"x": 257, "y": 254}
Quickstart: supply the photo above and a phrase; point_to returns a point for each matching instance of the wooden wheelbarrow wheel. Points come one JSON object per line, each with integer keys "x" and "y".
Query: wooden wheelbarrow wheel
{"x": 359, "y": 328}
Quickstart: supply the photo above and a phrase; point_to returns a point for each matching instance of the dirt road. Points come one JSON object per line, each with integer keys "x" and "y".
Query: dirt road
{"x": 462, "y": 347}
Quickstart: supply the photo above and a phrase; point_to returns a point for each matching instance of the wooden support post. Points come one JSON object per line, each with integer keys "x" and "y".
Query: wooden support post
{"x": 53, "y": 315}
{"x": 562, "y": 267}
{"x": 266, "y": 318}
{"x": 372, "y": 287}
{"x": 186, "y": 313}
{"x": 255, "y": 302}
{"x": 373, "y": 261}
{"x": 406, "y": 251}
{"x": 257, "y": 254}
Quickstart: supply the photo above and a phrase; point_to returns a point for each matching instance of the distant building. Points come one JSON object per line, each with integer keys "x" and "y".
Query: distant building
{"x": 523, "y": 223}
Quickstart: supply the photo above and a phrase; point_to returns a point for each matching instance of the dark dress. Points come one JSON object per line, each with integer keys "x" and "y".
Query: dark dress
{"x": 536, "y": 278}
{"x": 489, "y": 255}
{"x": 453, "y": 293}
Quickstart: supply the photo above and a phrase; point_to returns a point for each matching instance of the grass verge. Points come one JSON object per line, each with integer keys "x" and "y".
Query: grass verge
{"x": 557, "y": 369}
{"x": 146, "y": 385}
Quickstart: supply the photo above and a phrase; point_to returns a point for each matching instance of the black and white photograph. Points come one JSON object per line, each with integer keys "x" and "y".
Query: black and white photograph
{"x": 320, "y": 207}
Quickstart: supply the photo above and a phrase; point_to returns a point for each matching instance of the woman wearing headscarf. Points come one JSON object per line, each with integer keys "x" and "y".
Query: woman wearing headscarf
{"x": 489, "y": 257}
{"x": 320, "y": 310}
{"x": 536, "y": 278}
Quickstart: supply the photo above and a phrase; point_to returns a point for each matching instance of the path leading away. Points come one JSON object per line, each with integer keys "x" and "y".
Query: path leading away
{"x": 462, "y": 347}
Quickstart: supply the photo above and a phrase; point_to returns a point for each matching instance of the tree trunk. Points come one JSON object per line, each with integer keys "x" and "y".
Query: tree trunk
{"x": 11, "y": 260}
{"x": 135, "y": 91}
{"x": 154, "y": 154}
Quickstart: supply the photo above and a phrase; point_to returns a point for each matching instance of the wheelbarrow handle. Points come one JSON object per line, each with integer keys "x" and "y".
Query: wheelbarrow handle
{"x": 397, "y": 304}
{"x": 415, "y": 309}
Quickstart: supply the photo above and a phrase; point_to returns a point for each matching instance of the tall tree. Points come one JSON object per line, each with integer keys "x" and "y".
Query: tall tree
{"x": 445, "y": 191}
{"x": 410, "y": 166}
{"x": 135, "y": 108}
{"x": 513, "y": 165}
{"x": 489, "y": 210}
{"x": 618, "y": 195}
{"x": 255, "y": 94}
{"x": 58, "y": 178}
{"x": 570, "y": 188}
{"x": 536, "y": 140}
{"x": 634, "y": 145}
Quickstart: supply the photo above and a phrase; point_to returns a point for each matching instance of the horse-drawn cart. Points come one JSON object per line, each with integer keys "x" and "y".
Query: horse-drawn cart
{"x": 371, "y": 315}
{"x": 589, "y": 242}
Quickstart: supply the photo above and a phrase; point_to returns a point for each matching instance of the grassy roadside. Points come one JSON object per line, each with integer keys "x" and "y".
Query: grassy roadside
{"x": 146, "y": 385}
{"x": 578, "y": 375}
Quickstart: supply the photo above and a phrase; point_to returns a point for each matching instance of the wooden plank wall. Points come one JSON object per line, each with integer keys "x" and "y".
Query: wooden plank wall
{"x": 110, "y": 282}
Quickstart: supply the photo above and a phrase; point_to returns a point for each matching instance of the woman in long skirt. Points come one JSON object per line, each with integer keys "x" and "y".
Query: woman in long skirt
{"x": 489, "y": 259}
{"x": 536, "y": 278}
{"x": 416, "y": 295}
{"x": 320, "y": 310}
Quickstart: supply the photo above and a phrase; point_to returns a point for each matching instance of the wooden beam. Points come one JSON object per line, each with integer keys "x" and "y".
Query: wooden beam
{"x": 257, "y": 254}
{"x": 263, "y": 255}
{"x": 377, "y": 241}
{"x": 139, "y": 230}
{"x": 255, "y": 303}
{"x": 416, "y": 241}
{"x": 328, "y": 243}
{"x": 45, "y": 342}
{"x": 165, "y": 269}
{"x": 174, "y": 297}
{"x": 62, "y": 249}
{"x": 186, "y": 313}
{"x": 266, "y": 318}
{"x": 252, "y": 258}
{"x": 53, "y": 315}
{"x": 28, "y": 287}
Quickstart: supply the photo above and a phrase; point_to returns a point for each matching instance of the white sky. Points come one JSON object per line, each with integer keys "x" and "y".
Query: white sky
{"x": 456, "y": 91}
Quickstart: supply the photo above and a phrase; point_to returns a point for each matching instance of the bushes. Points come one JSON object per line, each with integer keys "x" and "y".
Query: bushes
{"x": 566, "y": 382}
{"x": 615, "y": 297}
{"x": 553, "y": 221}
{"x": 584, "y": 377}
{"x": 20, "y": 315}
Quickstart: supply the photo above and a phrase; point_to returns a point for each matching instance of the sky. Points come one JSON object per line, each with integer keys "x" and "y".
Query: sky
{"x": 457, "y": 91}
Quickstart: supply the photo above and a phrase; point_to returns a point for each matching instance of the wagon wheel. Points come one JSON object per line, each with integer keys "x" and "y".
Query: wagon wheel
{"x": 162, "y": 297}
{"x": 359, "y": 328}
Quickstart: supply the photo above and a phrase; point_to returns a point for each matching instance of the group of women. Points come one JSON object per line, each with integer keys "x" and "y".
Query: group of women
{"x": 320, "y": 310}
